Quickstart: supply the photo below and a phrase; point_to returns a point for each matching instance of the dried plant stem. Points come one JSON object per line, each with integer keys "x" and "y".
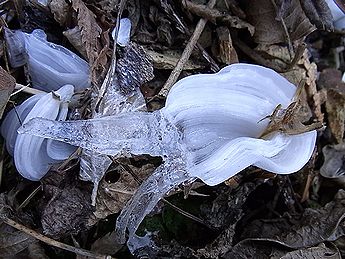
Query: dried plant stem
{"x": 52, "y": 242}
{"x": 186, "y": 54}
{"x": 26, "y": 89}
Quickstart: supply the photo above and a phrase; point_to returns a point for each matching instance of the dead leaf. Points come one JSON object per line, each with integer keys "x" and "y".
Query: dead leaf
{"x": 334, "y": 161}
{"x": 112, "y": 197}
{"x": 223, "y": 213}
{"x": 264, "y": 16}
{"x": 61, "y": 11}
{"x": 314, "y": 226}
{"x": 36, "y": 251}
{"x": 90, "y": 30}
{"x": 215, "y": 16}
{"x": 331, "y": 80}
{"x": 268, "y": 250}
{"x": 66, "y": 212}
{"x": 106, "y": 244}
{"x": 335, "y": 107}
{"x": 74, "y": 37}
{"x": 318, "y": 13}
{"x": 13, "y": 241}
{"x": 7, "y": 84}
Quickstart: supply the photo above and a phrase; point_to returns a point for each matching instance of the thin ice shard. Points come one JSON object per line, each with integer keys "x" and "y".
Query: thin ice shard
{"x": 122, "y": 95}
{"x": 134, "y": 133}
{"x": 164, "y": 179}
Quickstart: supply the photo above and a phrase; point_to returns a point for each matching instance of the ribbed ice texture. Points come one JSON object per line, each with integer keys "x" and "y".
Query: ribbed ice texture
{"x": 50, "y": 65}
{"x": 33, "y": 156}
{"x": 208, "y": 129}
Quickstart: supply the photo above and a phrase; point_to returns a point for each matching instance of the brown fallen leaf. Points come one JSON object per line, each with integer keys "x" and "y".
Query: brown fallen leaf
{"x": 335, "y": 107}
{"x": 66, "y": 211}
{"x": 61, "y": 11}
{"x": 334, "y": 161}
{"x": 331, "y": 81}
{"x": 112, "y": 197}
{"x": 313, "y": 227}
{"x": 265, "y": 18}
{"x": 318, "y": 13}
{"x": 13, "y": 241}
{"x": 215, "y": 16}
{"x": 106, "y": 244}
{"x": 90, "y": 34}
{"x": 269, "y": 250}
{"x": 7, "y": 84}
{"x": 74, "y": 37}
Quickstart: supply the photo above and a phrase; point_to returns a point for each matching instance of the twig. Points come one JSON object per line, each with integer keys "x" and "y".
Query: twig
{"x": 186, "y": 53}
{"x": 26, "y": 89}
{"x": 52, "y": 242}
{"x": 167, "y": 7}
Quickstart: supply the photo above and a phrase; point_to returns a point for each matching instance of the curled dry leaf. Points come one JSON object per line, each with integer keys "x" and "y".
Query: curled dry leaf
{"x": 66, "y": 211}
{"x": 225, "y": 51}
{"x": 90, "y": 30}
{"x": 74, "y": 37}
{"x": 318, "y": 13}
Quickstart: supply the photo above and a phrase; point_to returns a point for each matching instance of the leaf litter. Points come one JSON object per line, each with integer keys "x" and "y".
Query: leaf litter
{"x": 255, "y": 213}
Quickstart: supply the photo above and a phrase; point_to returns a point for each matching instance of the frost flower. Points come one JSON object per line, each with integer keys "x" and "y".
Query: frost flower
{"x": 210, "y": 129}
{"x": 50, "y": 65}
{"x": 33, "y": 156}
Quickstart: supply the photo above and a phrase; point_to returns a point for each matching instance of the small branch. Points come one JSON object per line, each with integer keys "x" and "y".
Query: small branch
{"x": 26, "y": 89}
{"x": 52, "y": 242}
{"x": 186, "y": 53}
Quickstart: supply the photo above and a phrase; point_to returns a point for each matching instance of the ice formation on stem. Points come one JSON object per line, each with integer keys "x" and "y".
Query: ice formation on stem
{"x": 33, "y": 156}
{"x": 115, "y": 100}
{"x": 209, "y": 129}
{"x": 50, "y": 65}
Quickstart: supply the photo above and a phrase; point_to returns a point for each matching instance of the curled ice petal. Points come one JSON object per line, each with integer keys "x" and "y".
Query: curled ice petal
{"x": 30, "y": 152}
{"x": 15, "y": 45}
{"x": 50, "y": 65}
{"x": 208, "y": 129}
{"x": 58, "y": 150}
{"x": 13, "y": 121}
